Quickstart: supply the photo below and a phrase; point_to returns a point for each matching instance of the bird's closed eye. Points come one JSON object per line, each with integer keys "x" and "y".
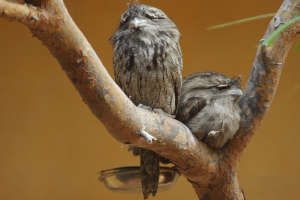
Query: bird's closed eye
{"x": 151, "y": 15}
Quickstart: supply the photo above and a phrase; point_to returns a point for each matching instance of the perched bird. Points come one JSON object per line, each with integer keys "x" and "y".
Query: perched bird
{"x": 209, "y": 107}
{"x": 147, "y": 63}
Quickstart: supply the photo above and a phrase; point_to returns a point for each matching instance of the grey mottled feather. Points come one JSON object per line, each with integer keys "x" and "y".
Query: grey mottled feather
{"x": 150, "y": 171}
{"x": 208, "y": 104}
{"x": 147, "y": 64}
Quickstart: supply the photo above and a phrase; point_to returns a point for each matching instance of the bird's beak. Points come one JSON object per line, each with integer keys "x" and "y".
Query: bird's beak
{"x": 137, "y": 23}
{"x": 236, "y": 91}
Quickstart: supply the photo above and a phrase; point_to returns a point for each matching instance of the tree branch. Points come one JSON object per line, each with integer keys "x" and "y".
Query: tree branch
{"x": 265, "y": 75}
{"x": 107, "y": 101}
{"x": 25, "y": 14}
{"x": 212, "y": 172}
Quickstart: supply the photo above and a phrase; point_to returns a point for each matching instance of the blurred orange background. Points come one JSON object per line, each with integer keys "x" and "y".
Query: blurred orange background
{"x": 51, "y": 145}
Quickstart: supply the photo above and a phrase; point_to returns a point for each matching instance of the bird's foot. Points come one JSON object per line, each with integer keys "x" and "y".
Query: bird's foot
{"x": 147, "y": 136}
{"x": 156, "y": 110}
{"x": 145, "y": 107}
{"x": 161, "y": 114}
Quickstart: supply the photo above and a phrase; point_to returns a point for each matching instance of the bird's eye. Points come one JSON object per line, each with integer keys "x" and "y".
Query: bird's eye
{"x": 151, "y": 15}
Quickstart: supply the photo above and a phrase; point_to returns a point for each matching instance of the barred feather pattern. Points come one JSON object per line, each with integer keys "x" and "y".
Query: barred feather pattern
{"x": 147, "y": 63}
{"x": 209, "y": 107}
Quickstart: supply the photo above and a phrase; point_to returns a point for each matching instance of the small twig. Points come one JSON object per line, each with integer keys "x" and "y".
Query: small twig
{"x": 20, "y": 13}
{"x": 263, "y": 46}
{"x": 147, "y": 136}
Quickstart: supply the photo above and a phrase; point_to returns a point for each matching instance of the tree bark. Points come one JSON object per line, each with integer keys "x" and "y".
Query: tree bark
{"x": 212, "y": 172}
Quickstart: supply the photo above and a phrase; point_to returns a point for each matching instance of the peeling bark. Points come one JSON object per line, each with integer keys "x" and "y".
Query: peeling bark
{"x": 212, "y": 172}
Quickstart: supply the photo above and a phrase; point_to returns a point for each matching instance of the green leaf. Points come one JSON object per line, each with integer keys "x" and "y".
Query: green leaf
{"x": 272, "y": 37}
{"x": 242, "y": 21}
{"x": 298, "y": 47}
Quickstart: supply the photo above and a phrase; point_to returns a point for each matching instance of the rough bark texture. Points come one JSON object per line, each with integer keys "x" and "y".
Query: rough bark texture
{"x": 213, "y": 173}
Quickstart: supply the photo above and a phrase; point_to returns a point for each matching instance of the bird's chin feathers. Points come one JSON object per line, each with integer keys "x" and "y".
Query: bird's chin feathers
{"x": 148, "y": 34}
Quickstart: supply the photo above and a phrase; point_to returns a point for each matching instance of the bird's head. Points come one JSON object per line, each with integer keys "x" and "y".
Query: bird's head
{"x": 232, "y": 90}
{"x": 144, "y": 22}
{"x": 210, "y": 86}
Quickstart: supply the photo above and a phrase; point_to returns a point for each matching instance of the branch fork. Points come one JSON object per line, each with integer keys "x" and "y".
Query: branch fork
{"x": 212, "y": 172}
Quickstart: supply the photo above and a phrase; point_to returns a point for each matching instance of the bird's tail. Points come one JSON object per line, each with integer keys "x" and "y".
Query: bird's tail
{"x": 149, "y": 172}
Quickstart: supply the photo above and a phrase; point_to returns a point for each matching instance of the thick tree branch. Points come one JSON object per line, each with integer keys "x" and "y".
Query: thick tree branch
{"x": 264, "y": 77}
{"x": 213, "y": 172}
{"x": 106, "y": 100}
{"x": 25, "y": 14}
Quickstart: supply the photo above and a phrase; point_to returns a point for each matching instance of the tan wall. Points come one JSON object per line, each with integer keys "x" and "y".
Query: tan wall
{"x": 51, "y": 145}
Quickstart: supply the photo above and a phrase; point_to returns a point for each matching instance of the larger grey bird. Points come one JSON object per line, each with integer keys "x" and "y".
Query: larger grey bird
{"x": 147, "y": 63}
{"x": 209, "y": 107}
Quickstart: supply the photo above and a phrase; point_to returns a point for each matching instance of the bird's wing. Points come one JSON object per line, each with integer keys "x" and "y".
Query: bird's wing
{"x": 177, "y": 93}
{"x": 189, "y": 108}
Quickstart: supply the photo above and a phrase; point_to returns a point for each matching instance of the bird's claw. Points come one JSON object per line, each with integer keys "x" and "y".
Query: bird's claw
{"x": 161, "y": 114}
{"x": 144, "y": 107}
{"x": 159, "y": 111}
{"x": 147, "y": 136}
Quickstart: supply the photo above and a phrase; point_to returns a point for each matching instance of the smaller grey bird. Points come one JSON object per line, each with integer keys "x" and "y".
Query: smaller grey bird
{"x": 209, "y": 107}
